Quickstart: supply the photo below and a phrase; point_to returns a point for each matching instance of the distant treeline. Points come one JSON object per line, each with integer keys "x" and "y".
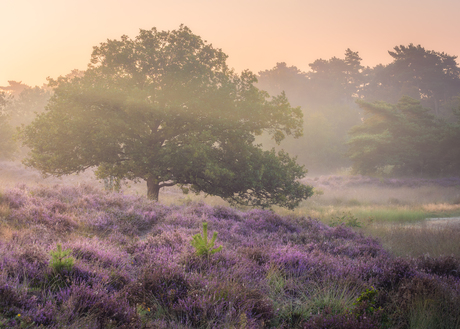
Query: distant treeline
{"x": 19, "y": 104}
{"x": 327, "y": 95}
{"x": 339, "y": 131}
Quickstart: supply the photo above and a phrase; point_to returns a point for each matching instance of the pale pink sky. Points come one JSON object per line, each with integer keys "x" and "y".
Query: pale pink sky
{"x": 41, "y": 38}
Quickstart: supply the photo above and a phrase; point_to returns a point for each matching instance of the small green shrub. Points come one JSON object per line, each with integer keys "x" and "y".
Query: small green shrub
{"x": 346, "y": 219}
{"x": 201, "y": 244}
{"x": 318, "y": 191}
{"x": 366, "y": 303}
{"x": 60, "y": 260}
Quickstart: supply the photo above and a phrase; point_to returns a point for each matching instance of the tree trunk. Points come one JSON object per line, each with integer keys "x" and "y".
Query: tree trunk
{"x": 153, "y": 188}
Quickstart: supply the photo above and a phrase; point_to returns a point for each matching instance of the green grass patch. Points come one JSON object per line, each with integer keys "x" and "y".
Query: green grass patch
{"x": 390, "y": 215}
{"x": 372, "y": 214}
{"x": 364, "y": 215}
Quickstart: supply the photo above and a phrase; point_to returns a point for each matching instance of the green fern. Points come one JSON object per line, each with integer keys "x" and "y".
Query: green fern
{"x": 201, "y": 244}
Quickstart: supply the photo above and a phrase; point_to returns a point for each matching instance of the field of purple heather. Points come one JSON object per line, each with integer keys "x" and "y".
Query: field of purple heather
{"x": 79, "y": 257}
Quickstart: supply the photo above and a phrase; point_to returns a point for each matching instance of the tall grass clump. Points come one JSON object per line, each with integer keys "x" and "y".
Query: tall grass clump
{"x": 418, "y": 239}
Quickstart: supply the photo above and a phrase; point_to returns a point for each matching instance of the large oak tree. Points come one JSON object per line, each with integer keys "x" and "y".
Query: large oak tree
{"x": 165, "y": 108}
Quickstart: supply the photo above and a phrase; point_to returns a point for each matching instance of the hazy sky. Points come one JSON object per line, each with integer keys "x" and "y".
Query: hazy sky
{"x": 41, "y": 38}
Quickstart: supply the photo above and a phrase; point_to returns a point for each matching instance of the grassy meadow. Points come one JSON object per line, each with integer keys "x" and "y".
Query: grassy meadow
{"x": 358, "y": 254}
{"x": 392, "y": 210}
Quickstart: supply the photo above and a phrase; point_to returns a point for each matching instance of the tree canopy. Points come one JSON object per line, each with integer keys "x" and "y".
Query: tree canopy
{"x": 404, "y": 137}
{"x": 24, "y": 106}
{"x": 326, "y": 95}
{"x": 7, "y": 145}
{"x": 165, "y": 108}
{"x": 429, "y": 76}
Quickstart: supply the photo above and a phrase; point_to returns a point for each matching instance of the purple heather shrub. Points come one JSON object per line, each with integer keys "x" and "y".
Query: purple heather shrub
{"x": 442, "y": 266}
{"x": 199, "y": 209}
{"x": 42, "y": 212}
{"x": 16, "y": 197}
{"x": 35, "y": 235}
{"x": 180, "y": 219}
{"x": 165, "y": 285}
{"x": 197, "y": 311}
{"x": 13, "y": 298}
{"x": 102, "y": 222}
{"x": 84, "y": 272}
{"x": 99, "y": 252}
{"x": 99, "y": 262}
{"x": 220, "y": 264}
{"x": 162, "y": 247}
{"x": 131, "y": 253}
{"x": 258, "y": 220}
{"x": 255, "y": 253}
{"x": 42, "y": 314}
{"x": 386, "y": 272}
{"x": 222, "y": 212}
{"x": 315, "y": 266}
{"x": 83, "y": 300}
{"x": 436, "y": 296}
{"x": 294, "y": 262}
{"x": 341, "y": 240}
{"x": 113, "y": 279}
{"x": 222, "y": 300}
{"x": 132, "y": 222}
{"x": 26, "y": 263}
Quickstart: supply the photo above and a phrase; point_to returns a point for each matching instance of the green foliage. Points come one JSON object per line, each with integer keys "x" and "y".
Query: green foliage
{"x": 336, "y": 79}
{"x": 276, "y": 280}
{"x": 404, "y": 137}
{"x": 330, "y": 82}
{"x": 346, "y": 219}
{"x": 326, "y": 97}
{"x": 112, "y": 184}
{"x": 268, "y": 178}
{"x": 318, "y": 192}
{"x": 366, "y": 303}
{"x": 327, "y": 92}
{"x": 425, "y": 75}
{"x": 392, "y": 215}
{"x": 7, "y": 144}
{"x": 165, "y": 108}
{"x": 24, "y": 107}
{"x": 202, "y": 245}
{"x": 60, "y": 260}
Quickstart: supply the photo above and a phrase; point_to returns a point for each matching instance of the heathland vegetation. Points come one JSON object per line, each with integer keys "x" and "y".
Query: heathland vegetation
{"x": 79, "y": 257}
{"x": 85, "y": 250}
